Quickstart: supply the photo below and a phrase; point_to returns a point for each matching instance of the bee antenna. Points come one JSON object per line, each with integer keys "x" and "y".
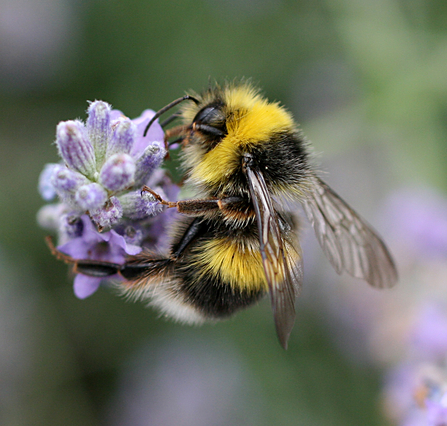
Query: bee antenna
{"x": 167, "y": 108}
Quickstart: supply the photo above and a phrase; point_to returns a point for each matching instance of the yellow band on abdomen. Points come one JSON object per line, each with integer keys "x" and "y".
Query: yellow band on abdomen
{"x": 232, "y": 261}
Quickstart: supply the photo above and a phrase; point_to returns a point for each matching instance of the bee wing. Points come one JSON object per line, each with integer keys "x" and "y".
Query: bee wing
{"x": 347, "y": 240}
{"x": 283, "y": 283}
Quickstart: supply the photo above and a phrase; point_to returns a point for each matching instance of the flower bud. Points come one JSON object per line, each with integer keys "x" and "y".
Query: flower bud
{"x": 149, "y": 160}
{"x": 49, "y": 215}
{"x": 75, "y": 148}
{"x": 46, "y": 188}
{"x": 66, "y": 181}
{"x": 122, "y": 138}
{"x": 91, "y": 196}
{"x": 98, "y": 128}
{"x": 154, "y": 135}
{"x": 137, "y": 205}
{"x": 118, "y": 172}
{"x": 109, "y": 214}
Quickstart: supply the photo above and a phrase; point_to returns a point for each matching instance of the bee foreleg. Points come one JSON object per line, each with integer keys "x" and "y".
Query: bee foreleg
{"x": 175, "y": 131}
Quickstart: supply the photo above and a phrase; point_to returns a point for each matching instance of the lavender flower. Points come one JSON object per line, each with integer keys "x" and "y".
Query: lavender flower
{"x": 416, "y": 389}
{"x": 102, "y": 213}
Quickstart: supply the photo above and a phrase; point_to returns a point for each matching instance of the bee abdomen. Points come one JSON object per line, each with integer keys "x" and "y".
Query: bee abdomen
{"x": 213, "y": 297}
{"x": 220, "y": 275}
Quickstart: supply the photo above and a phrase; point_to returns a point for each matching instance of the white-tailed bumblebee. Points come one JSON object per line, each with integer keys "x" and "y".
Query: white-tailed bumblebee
{"x": 236, "y": 241}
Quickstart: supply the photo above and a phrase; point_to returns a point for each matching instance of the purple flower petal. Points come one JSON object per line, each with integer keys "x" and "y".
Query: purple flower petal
{"x": 77, "y": 248}
{"x": 155, "y": 133}
{"x": 133, "y": 236}
{"x": 71, "y": 226}
{"x": 85, "y": 286}
{"x": 91, "y": 234}
{"x": 81, "y": 247}
{"x": 106, "y": 246}
{"x": 115, "y": 114}
{"x": 117, "y": 240}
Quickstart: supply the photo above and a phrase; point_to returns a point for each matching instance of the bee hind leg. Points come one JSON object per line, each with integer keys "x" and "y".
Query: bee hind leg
{"x": 92, "y": 268}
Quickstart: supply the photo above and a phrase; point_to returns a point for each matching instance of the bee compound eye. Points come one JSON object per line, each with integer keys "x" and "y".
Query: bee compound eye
{"x": 205, "y": 115}
{"x": 211, "y": 115}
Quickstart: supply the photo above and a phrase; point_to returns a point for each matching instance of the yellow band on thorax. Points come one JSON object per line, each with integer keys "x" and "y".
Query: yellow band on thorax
{"x": 251, "y": 121}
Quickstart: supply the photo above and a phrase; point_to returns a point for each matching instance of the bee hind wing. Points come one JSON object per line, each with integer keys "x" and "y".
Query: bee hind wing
{"x": 348, "y": 242}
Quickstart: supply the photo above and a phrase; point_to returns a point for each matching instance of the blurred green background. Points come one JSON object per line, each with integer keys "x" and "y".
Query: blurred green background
{"x": 367, "y": 82}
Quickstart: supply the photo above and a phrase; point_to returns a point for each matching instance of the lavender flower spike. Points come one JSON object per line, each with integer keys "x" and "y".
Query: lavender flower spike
{"x": 102, "y": 214}
{"x": 75, "y": 147}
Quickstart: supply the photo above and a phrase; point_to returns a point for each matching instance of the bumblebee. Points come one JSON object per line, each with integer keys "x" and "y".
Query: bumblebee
{"x": 236, "y": 241}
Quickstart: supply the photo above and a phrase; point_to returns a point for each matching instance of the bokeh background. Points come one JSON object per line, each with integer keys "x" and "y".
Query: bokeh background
{"x": 366, "y": 80}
